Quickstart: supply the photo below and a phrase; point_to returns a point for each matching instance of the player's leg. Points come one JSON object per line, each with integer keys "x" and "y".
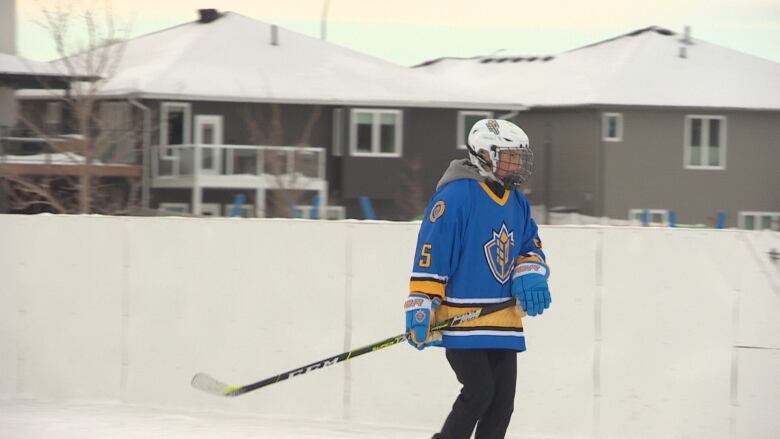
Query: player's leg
{"x": 473, "y": 370}
{"x": 495, "y": 421}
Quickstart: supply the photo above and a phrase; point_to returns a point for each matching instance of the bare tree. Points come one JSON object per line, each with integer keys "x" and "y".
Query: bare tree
{"x": 410, "y": 201}
{"x": 92, "y": 56}
{"x": 281, "y": 201}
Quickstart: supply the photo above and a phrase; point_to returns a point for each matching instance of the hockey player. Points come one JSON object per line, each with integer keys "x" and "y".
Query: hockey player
{"x": 478, "y": 245}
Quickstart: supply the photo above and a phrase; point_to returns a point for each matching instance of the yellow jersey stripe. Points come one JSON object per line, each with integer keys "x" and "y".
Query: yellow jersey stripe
{"x": 511, "y": 317}
{"x": 529, "y": 258}
{"x": 427, "y": 287}
{"x": 501, "y": 201}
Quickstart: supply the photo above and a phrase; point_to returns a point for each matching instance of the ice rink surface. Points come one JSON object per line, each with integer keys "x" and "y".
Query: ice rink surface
{"x": 34, "y": 419}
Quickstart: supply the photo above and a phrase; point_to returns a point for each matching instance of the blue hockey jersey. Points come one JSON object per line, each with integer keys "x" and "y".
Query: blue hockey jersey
{"x": 466, "y": 250}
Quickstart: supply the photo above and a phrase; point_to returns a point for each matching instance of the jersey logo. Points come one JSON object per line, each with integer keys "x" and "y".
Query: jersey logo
{"x": 437, "y": 211}
{"x": 498, "y": 252}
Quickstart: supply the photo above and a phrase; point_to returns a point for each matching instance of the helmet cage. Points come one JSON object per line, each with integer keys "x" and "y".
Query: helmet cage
{"x": 514, "y": 171}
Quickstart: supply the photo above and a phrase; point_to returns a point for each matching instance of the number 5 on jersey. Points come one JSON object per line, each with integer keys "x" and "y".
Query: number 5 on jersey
{"x": 425, "y": 252}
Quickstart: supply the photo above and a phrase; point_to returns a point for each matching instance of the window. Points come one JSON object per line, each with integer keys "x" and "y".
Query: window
{"x": 53, "y": 113}
{"x": 208, "y": 131}
{"x": 705, "y": 142}
{"x": 612, "y": 127}
{"x": 466, "y": 120}
{"x": 654, "y": 216}
{"x": 375, "y": 133}
{"x": 174, "y": 125}
{"x": 759, "y": 220}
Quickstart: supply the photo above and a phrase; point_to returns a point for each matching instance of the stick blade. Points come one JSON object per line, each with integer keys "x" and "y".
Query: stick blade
{"x": 206, "y": 383}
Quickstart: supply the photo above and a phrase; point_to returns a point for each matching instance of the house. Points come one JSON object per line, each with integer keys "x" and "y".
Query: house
{"x": 649, "y": 121}
{"x": 27, "y": 157}
{"x": 235, "y": 108}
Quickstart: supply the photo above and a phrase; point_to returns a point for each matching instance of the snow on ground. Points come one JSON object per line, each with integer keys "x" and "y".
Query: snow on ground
{"x": 36, "y": 419}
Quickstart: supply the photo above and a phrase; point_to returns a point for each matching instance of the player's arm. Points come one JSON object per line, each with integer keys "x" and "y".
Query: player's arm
{"x": 529, "y": 279}
{"x": 436, "y": 250}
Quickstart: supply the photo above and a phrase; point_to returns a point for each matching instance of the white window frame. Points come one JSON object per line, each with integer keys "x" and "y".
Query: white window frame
{"x": 618, "y": 127}
{"x": 217, "y": 121}
{"x": 375, "y": 130}
{"x": 636, "y": 215}
{"x": 705, "y": 137}
{"x": 187, "y": 137}
{"x": 53, "y": 113}
{"x": 774, "y": 224}
{"x": 462, "y": 121}
{"x": 174, "y": 207}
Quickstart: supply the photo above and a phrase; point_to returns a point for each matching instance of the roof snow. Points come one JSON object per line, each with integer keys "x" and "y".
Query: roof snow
{"x": 233, "y": 59}
{"x": 18, "y": 66}
{"x": 648, "y": 67}
{"x": 66, "y": 158}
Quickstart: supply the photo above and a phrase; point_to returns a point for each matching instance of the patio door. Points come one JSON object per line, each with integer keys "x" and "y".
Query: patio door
{"x": 208, "y": 131}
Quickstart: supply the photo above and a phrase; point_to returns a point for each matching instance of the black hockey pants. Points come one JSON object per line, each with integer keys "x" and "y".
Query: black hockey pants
{"x": 487, "y": 398}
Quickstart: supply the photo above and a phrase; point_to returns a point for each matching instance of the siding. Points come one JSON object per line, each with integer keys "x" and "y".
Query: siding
{"x": 646, "y": 169}
{"x": 566, "y": 158}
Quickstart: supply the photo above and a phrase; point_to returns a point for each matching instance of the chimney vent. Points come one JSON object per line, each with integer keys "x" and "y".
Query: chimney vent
{"x": 687, "y": 35}
{"x": 207, "y": 15}
{"x": 686, "y": 41}
{"x": 274, "y": 35}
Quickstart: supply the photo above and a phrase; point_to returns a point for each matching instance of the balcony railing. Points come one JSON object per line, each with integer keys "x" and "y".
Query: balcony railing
{"x": 175, "y": 161}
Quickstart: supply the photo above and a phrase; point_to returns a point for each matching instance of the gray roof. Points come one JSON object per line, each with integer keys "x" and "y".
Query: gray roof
{"x": 233, "y": 59}
{"x": 20, "y": 72}
{"x": 647, "y": 67}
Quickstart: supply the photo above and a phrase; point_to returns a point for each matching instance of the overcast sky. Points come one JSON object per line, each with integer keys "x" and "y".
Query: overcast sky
{"x": 411, "y": 31}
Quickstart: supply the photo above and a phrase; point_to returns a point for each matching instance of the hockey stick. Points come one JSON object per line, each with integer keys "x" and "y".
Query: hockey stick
{"x": 206, "y": 383}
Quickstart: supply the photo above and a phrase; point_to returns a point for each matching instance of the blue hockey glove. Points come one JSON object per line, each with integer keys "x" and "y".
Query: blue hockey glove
{"x": 529, "y": 284}
{"x": 419, "y": 309}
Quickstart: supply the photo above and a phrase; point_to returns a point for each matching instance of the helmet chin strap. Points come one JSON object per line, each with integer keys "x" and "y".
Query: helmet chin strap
{"x": 483, "y": 164}
{"x": 491, "y": 176}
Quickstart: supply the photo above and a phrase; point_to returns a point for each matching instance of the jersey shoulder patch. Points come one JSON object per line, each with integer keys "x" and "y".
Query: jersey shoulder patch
{"x": 447, "y": 200}
{"x": 437, "y": 211}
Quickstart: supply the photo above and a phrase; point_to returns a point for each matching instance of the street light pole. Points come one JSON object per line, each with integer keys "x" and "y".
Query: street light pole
{"x": 324, "y": 22}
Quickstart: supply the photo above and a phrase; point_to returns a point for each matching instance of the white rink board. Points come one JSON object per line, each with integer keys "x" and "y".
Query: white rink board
{"x": 653, "y": 333}
{"x": 65, "y": 305}
{"x": 240, "y": 302}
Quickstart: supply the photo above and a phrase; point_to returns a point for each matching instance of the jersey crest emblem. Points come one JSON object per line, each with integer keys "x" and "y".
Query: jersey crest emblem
{"x": 437, "y": 211}
{"x": 498, "y": 252}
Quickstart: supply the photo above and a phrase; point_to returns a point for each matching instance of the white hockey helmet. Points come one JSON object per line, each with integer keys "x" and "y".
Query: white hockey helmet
{"x": 501, "y": 151}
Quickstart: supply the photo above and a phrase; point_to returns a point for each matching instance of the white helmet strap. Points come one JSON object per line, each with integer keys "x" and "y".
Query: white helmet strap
{"x": 488, "y": 168}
